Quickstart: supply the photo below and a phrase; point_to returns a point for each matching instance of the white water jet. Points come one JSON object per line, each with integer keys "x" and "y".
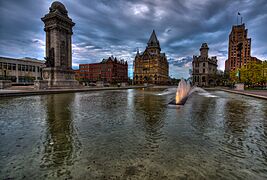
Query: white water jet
{"x": 201, "y": 92}
{"x": 197, "y": 89}
{"x": 182, "y": 92}
{"x": 168, "y": 91}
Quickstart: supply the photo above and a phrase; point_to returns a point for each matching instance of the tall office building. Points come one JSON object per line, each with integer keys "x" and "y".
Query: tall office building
{"x": 239, "y": 48}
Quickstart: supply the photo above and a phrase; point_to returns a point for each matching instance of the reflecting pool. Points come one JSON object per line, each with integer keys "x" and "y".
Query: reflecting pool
{"x": 133, "y": 134}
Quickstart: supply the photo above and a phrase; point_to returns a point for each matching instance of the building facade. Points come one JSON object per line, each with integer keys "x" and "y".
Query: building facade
{"x": 21, "y": 71}
{"x": 204, "y": 68}
{"x": 239, "y": 49}
{"x": 110, "y": 70}
{"x": 151, "y": 66}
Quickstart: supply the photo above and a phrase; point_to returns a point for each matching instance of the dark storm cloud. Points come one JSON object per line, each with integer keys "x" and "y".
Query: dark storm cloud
{"x": 105, "y": 27}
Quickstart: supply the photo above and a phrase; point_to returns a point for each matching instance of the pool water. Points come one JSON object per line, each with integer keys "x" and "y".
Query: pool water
{"x": 133, "y": 134}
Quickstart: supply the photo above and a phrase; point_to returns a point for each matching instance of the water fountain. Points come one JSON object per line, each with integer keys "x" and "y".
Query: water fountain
{"x": 182, "y": 93}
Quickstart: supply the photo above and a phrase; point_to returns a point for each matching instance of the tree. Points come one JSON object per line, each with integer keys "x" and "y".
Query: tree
{"x": 253, "y": 74}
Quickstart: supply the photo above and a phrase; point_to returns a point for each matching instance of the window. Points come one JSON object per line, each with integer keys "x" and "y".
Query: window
{"x": 203, "y": 64}
{"x": 9, "y": 66}
{"x": 0, "y": 65}
{"x": 19, "y": 67}
{"x": 14, "y": 67}
{"x": 203, "y": 70}
{"x": 27, "y": 67}
{"x": 33, "y": 68}
{"x": 22, "y": 67}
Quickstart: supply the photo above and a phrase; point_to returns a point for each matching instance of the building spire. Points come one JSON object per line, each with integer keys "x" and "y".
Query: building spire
{"x": 137, "y": 53}
{"x": 153, "y": 40}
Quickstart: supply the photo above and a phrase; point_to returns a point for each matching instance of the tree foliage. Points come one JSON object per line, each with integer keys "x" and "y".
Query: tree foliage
{"x": 252, "y": 74}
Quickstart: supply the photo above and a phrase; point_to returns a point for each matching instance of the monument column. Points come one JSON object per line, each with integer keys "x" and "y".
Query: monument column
{"x": 58, "y": 28}
{"x": 70, "y": 52}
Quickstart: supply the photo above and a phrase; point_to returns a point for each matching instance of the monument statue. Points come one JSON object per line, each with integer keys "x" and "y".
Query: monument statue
{"x": 49, "y": 61}
{"x": 58, "y": 29}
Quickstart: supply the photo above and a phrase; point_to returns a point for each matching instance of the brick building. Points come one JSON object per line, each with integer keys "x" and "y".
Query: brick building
{"x": 151, "y": 66}
{"x": 239, "y": 48}
{"x": 204, "y": 68}
{"x": 110, "y": 70}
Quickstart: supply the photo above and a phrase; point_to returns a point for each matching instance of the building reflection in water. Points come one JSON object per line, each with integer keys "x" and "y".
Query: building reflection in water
{"x": 235, "y": 127}
{"x": 263, "y": 149}
{"x": 59, "y": 144}
{"x": 151, "y": 113}
{"x": 235, "y": 113}
{"x": 201, "y": 113}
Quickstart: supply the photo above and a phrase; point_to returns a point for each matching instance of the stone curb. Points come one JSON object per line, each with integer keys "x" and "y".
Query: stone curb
{"x": 60, "y": 91}
{"x": 244, "y": 93}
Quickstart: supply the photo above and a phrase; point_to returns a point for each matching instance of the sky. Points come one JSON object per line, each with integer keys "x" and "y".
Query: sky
{"x": 120, "y": 27}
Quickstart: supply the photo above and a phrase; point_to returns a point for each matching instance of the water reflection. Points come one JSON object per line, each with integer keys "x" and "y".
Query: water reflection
{"x": 200, "y": 116}
{"x": 235, "y": 129}
{"x": 152, "y": 112}
{"x": 236, "y": 121}
{"x": 59, "y": 144}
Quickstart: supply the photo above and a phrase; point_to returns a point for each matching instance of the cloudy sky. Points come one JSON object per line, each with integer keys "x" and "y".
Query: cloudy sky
{"x": 120, "y": 27}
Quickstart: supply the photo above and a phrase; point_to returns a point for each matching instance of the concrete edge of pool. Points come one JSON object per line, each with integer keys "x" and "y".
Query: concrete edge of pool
{"x": 14, "y": 93}
{"x": 245, "y": 93}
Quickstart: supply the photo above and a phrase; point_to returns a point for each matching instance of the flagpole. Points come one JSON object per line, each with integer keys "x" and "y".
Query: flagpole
{"x": 238, "y": 14}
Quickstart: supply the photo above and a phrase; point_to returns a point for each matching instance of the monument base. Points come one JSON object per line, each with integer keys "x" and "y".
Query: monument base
{"x": 5, "y": 84}
{"x": 240, "y": 86}
{"x": 56, "y": 78}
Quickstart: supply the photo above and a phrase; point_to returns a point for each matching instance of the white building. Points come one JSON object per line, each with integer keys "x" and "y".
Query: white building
{"x": 204, "y": 68}
{"x": 20, "y": 71}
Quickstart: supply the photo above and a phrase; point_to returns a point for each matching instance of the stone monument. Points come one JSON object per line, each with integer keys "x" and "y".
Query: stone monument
{"x": 58, "y": 72}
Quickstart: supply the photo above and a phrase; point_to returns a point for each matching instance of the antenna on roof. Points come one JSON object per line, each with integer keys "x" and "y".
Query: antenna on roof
{"x": 241, "y": 18}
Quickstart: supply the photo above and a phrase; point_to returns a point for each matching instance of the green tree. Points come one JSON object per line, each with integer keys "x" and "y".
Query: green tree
{"x": 253, "y": 74}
